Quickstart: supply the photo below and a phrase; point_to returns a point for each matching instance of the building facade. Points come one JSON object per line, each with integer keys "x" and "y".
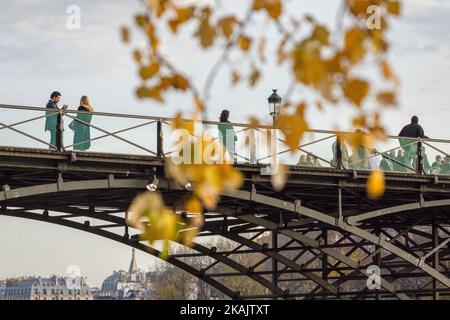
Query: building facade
{"x": 133, "y": 284}
{"x": 53, "y": 288}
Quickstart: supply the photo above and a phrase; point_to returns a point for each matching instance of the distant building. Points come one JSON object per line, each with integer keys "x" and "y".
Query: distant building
{"x": 2, "y": 288}
{"x": 53, "y": 288}
{"x": 123, "y": 285}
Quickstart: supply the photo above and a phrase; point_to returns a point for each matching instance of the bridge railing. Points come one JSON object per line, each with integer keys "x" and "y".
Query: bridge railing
{"x": 22, "y": 126}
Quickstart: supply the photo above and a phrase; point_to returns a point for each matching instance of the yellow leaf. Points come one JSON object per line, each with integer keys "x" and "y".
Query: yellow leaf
{"x": 293, "y": 126}
{"x": 193, "y": 205}
{"x": 179, "y": 82}
{"x": 359, "y": 7}
{"x": 354, "y": 45}
{"x": 158, "y": 6}
{"x": 179, "y": 123}
{"x": 232, "y": 178}
{"x": 308, "y": 66}
{"x": 334, "y": 64}
{"x": 375, "y": 185}
{"x": 321, "y": 34}
{"x": 245, "y": 43}
{"x": 393, "y": 7}
{"x": 183, "y": 15}
{"x": 146, "y": 72}
{"x": 208, "y": 194}
{"x": 187, "y": 236}
{"x": 205, "y": 32}
{"x": 235, "y": 77}
{"x": 388, "y": 73}
{"x": 387, "y": 98}
{"x": 273, "y": 7}
{"x": 137, "y": 56}
{"x": 359, "y": 121}
{"x": 254, "y": 76}
{"x": 226, "y": 25}
{"x": 152, "y": 93}
{"x": 356, "y": 90}
{"x": 165, "y": 251}
{"x": 141, "y": 20}
{"x": 142, "y": 92}
{"x": 125, "y": 34}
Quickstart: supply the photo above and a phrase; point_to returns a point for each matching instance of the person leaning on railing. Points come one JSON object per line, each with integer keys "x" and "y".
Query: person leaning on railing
{"x": 344, "y": 153}
{"x": 445, "y": 167}
{"x": 51, "y": 117}
{"x": 80, "y": 125}
{"x": 227, "y": 134}
{"x": 412, "y": 130}
{"x": 437, "y": 165}
{"x": 386, "y": 163}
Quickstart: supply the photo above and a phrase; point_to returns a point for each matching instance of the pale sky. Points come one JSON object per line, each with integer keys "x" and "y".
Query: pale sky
{"x": 38, "y": 54}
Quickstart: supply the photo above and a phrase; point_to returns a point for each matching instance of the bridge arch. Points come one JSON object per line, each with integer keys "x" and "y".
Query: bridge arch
{"x": 332, "y": 221}
{"x": 62, "y": 186}
{"x": 124, "y": 240}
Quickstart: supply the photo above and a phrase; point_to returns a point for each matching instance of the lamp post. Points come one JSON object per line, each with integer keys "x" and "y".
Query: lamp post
{"x": 274, "y": 104}
{"x": 274, "y": 109}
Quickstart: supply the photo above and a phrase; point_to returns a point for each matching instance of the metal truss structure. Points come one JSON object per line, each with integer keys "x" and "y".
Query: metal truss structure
{"x": 326, "y": 237}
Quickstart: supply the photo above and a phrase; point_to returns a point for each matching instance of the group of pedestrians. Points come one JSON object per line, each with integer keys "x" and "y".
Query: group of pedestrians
{"x": 403, "y": 159}
{"x": 309, "y": 160}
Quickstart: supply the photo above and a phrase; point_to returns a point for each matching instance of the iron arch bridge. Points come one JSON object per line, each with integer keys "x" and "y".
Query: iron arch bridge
{"x": 322, "y": 237}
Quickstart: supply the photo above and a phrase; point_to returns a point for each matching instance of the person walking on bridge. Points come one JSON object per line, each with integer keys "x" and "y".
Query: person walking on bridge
{"x": 227, "y": 134}
{"x": 51, "y": 117}
{"x": 412, "y": 130}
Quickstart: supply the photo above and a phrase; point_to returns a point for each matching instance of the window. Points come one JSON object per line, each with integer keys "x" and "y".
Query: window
{"x": 44, "y": 291}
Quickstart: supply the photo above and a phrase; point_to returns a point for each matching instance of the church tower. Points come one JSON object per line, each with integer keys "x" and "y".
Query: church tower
{"x": 133, "y": 265}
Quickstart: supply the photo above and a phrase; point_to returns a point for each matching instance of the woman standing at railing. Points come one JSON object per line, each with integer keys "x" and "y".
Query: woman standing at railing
{"x": 227, "y": 134}
{"x": 81, "y": 125}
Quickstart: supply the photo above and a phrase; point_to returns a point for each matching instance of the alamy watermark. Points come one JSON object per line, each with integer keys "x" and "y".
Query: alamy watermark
{"x": 374, "y": 19}
{"x": 374, "y": 279}
{"x": 74, "y": 17}
{"x": 73, "y": 277}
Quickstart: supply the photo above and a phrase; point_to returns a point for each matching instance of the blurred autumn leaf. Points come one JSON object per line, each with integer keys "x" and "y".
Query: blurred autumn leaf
{"x": 375, "y": 185}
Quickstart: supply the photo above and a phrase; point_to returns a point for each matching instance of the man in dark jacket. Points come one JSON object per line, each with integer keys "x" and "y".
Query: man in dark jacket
{"x": 51, "y": 121}
{"x": 412, "y": 130}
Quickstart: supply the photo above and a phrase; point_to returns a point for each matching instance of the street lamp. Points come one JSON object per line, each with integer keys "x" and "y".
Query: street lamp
{"x": 274, "y": 104}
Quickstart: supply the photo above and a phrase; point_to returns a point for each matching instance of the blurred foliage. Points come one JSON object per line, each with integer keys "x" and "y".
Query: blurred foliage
{"x": 319, "y": 59}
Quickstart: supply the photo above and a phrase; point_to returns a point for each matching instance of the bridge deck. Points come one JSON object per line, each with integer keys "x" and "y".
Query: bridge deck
{"x": 315, "y": 187}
